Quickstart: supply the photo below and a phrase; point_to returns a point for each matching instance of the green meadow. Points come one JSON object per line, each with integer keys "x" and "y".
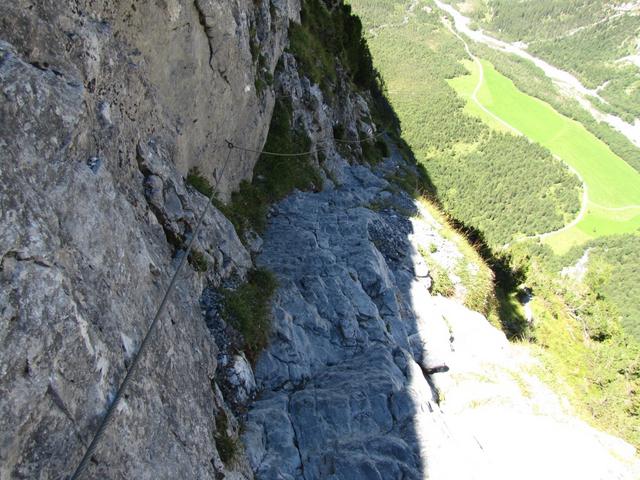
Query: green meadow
{"x": 613, "y": 186}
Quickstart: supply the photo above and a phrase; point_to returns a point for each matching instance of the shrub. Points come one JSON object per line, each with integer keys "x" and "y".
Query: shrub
{"x": 226, "y": 445}
{"x": 198, "y": 261}
{"x": 199, "y": 182}
{"x": 247, "y": 310}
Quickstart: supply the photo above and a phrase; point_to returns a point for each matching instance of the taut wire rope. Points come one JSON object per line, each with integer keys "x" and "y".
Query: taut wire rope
{"x": 316, "y": 150}
{"x": 104, "y": 423}
{"x": 132, "y": 370}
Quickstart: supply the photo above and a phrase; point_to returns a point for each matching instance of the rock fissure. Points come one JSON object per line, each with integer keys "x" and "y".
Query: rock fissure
{"x": 295, "y": 438}
{"x": 202, "y": 19}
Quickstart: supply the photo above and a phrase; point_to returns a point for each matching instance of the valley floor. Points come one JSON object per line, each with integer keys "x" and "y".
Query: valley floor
{"x": 611, "y": 188}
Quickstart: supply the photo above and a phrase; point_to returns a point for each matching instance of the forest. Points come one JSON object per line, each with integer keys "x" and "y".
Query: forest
{"x": 615, "y": 259}
{"x": 500, "y": 183}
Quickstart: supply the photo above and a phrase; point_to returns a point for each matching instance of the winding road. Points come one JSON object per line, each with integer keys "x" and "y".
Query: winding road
{"x": 559, "y": 77}
{"x": 374, "y": 30}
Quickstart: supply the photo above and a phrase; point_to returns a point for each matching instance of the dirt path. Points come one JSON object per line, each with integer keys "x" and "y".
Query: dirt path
{"x": 374, "y": 31}
{"x": 615, "y": 209}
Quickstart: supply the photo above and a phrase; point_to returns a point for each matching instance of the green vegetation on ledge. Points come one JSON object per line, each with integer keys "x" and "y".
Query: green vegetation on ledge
{"x": 442, "y": 284}
{"x": 273, "y": 178}
{"x": 226, "y": 445}
{"x": 328, "y": 37}
{"x": 247, "y": 310}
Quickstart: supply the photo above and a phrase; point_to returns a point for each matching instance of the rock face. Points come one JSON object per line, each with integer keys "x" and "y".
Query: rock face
{"x": 368, "y": 376}
{"x": 340, "y": 386}
{"x": 182, "y": 71}
{"x": 83, "y": 267}
{"x": 104, "y": 107}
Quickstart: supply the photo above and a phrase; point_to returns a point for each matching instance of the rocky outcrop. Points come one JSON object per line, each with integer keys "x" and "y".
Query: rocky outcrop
{"x": 369, "y": 376}
{"x": 336, "y": 401}
{"x": 181, "y": 71}
{"x": 105, "y": 106}
{"x": 83, "y": 267}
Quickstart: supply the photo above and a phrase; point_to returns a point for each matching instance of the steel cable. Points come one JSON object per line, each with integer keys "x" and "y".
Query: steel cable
{"x": 145, "y": 342}
{"x": 104, "y": 423}
{"x": 316, "y": 150}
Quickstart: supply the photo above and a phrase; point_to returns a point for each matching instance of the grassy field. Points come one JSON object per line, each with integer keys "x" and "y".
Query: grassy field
{"x": 588, "y": 38}
{"x": 611, "y": 182}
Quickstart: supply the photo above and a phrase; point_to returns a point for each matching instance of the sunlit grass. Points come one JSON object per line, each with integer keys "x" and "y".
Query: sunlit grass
{"x": 612, "y": 183}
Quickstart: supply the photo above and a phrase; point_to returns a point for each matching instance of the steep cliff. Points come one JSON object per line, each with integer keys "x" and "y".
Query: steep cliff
{"x": 106, "y": 106}
{"x": 111, "y": 113}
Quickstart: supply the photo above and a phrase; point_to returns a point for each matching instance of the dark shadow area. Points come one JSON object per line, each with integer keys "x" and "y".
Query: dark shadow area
{"x": 339, "y": 390}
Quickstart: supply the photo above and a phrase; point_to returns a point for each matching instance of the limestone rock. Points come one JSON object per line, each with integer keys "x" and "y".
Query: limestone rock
{"x": 337, "y": 376}
{"x": 368, "y": 376}
{"x": 105, "y": 107}
{"x": 183, "y": 71}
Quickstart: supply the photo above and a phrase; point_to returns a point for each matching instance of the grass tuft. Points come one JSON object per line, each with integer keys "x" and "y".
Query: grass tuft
{"x": 227, "y": 446}
{"x": 198, "y": 261}
{"x": 247, "y": 310}
{"x": 442, "y": 284}
{"x": 199, "y": 182}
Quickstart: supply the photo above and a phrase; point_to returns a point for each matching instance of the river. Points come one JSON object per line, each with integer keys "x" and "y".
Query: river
{"x": 565, "y": 81}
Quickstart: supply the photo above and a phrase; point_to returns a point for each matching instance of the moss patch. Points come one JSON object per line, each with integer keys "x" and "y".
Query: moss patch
{"x": 227, "y": 446}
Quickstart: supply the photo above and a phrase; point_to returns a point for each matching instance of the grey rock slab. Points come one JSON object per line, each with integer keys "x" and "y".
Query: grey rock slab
{"x": 340, "y": 339}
